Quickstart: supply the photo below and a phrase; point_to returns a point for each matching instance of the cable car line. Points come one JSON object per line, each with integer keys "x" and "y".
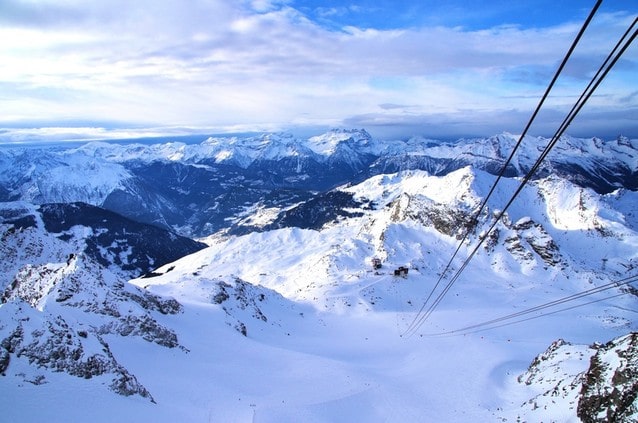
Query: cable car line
{"x": 602, "y": 72}
{"x": 614, "y": 284}
{"x": 618, "y": 50}
{"x": 607, "y": 65}
{"x": 476, "y": 216}
{"x": 479, "y": 327}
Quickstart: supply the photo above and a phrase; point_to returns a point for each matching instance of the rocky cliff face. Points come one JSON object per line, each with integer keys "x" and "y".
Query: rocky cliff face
{"x": 597, "y": 383}
{"x": 64, "y": 295}
{"x": 57, "y": 317}
{"x": 609, "y": 390}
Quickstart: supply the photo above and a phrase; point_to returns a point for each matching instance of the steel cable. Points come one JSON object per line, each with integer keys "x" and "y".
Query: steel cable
{"x": 602, "y": 72}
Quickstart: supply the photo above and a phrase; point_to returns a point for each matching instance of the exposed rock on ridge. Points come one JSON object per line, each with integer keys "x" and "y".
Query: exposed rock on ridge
{"x": 599, "y": 382}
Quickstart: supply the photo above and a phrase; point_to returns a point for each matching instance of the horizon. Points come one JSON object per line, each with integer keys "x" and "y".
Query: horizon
{"x": 441, "y": 69}
{"x": 61, "y": 137}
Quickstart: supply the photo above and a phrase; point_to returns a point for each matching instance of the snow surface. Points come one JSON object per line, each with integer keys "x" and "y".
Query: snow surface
{"x": 326, "y": 334}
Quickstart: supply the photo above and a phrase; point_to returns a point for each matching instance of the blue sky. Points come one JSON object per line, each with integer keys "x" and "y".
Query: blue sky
{"x": 441, "y": 69}
{"x": 389, "y": 14}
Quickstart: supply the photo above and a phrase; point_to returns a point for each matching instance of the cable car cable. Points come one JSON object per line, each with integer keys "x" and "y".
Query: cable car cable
{"x": 474, "y": 220}
{"x": 608, "y": 64}
{"x": 592, "y": 291}
{"x": 478, "y": 328}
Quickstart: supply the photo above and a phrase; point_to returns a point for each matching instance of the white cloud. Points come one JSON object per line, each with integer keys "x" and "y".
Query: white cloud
{"x": 265, "y": 64}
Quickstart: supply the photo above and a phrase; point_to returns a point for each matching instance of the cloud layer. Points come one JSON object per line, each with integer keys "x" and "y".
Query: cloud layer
{"x": 273, "y": 65}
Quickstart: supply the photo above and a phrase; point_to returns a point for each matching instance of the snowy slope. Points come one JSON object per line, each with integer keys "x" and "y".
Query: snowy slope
{"x": 56, "y": 318}
{"x": 317, "y": 301}
{"x": 294, "y": 324}
{"x": 416, "y": 220}
{"x": 63, "y": 294}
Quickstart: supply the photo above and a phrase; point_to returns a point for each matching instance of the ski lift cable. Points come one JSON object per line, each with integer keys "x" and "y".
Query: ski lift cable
{"x": 563, "y": 300}
{"x": 582, "y": 100}
{"x": 602, "y": 72}
{"x": 474, "y": 220}
{"x": 481, "y": 328}
{"x": 476, "y": 216}
{"x": 575, "y": 110}
{"x": 608, "y": 64}
{"x": 622, "y": 45}
{"x": 533, "y": 117}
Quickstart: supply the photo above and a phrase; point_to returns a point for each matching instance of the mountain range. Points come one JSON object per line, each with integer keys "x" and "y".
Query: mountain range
{"x": 110, "y": 310}
{"x": 199, "y": 189}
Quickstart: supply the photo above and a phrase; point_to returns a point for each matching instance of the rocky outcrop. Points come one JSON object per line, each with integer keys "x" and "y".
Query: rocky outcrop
{"x": 539, "y": 240}
{"x": 597, "y": 383}
{"x": 526, "y": 240}
{"x": 51, "y": 343}
{"x": 238, "y": 299}
{"x": 40, "y": 303}
{"x": 610, "y": 386}
{"x": 451, "y": 220}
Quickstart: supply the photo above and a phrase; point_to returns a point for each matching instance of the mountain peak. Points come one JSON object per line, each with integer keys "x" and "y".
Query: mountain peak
{"x": 327, "y": 144}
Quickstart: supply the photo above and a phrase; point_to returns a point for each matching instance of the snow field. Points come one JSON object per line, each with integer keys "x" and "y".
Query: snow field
{"x": 325, "y": 335}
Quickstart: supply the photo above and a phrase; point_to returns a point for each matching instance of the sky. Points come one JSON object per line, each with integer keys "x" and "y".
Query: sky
{"x": 397, "y": 68}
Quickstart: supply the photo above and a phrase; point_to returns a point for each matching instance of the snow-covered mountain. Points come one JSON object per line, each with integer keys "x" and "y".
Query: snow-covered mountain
{"x": 37, "y": 234}
{"x": 283, "y": 318}
{"x": 63, "y": 277}
{"x": 199, "y": 189}
{"x": 56, "y": 318}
